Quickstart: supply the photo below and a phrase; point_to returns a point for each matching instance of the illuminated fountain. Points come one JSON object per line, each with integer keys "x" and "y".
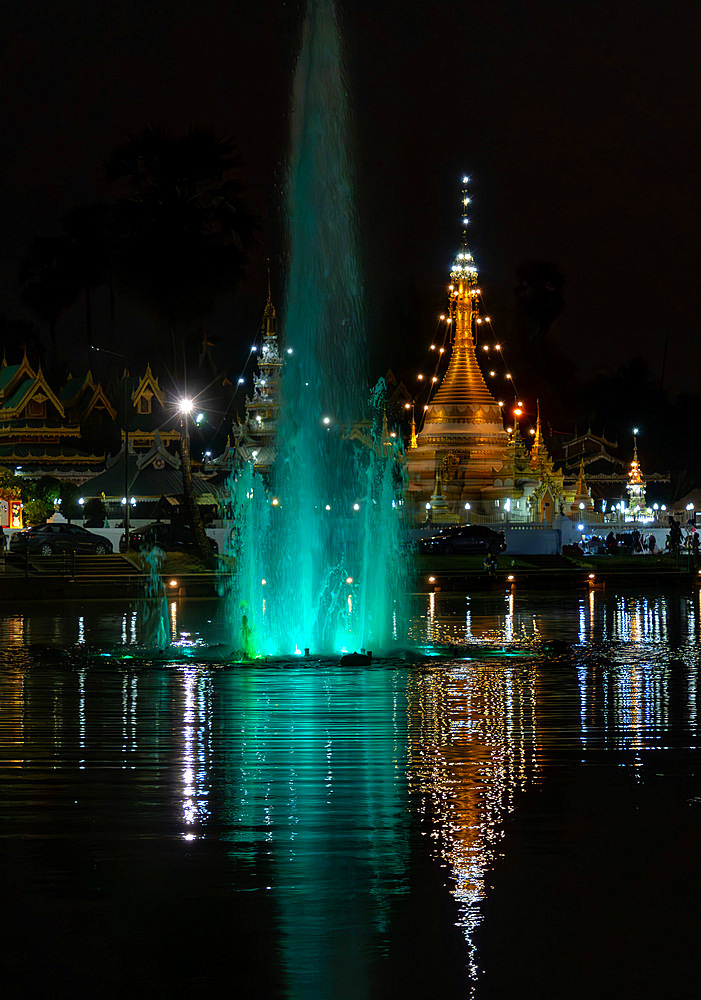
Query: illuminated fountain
{"x": 155, "y": 631}
{"x": 317, "y": 554}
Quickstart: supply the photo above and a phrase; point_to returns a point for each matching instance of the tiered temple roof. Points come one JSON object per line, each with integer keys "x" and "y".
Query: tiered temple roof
{"x": 43, "y": 431}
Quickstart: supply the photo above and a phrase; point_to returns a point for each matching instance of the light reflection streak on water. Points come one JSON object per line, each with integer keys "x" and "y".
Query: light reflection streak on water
{"x": 173, "y": 621}
{"x": 16, "y": 630}
{"x": 430, "y": 635}
{"x": 196, "y": 749}
{"x": 441, "y": 620}
{"x": 473, "y": 751}
{"x": 129, "y": 713}
{"x": 509, "y": 621}
{"x": 81, "y": 718}
{"x": 130, "y": 621}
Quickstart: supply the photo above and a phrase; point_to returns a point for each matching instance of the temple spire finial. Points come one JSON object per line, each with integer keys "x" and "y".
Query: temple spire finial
{"x": 413, "y": 443}
{"x": 269, "y": 328}
{"x": 465, "y": 201}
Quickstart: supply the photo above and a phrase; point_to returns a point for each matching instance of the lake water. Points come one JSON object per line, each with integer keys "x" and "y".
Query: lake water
{"x": 468, "y": 825}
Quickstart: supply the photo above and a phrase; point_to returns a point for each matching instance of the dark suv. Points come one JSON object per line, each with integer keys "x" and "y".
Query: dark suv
{"x": 46, "y": 539}
{"x": 169, "y": 537}
{"x": 467, "y": 538}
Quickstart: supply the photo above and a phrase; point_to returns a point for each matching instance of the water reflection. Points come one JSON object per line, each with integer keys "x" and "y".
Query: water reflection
{"x": 197, "y": 716}
{"x": 325, "y": 790}
{"x": 314, "y": 780}
{"x": 473, "y": 750}
{"x": 640, "y": 625}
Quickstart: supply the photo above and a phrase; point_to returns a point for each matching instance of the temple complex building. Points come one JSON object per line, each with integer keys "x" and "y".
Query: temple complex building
{"x": 605, "y": 465}
{"x": 49, "y": 431}
{"x": 254, "y": 436}
{"x": 462, "y": 462}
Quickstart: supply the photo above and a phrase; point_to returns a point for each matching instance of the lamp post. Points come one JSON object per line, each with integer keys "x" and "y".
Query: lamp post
{"x": 127, "y": 526}
{"x": 185, "y": 408}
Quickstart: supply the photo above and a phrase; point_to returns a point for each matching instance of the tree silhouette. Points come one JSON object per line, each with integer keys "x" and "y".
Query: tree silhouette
{"x": 86, "y": 229}
{"x": 180, "y": 233}
{"x": 48, "y": 280}
{"x": 539, "y": 300}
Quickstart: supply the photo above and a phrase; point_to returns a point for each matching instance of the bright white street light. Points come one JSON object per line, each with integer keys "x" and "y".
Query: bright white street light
{"x": 185, "y": 405}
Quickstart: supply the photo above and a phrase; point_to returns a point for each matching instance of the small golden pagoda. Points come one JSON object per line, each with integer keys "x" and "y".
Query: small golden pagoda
{"x": 638, "y": 509}
{"x": 463, "y": 432}
{"x": 548, "y": 499}
{"x": 582, "y": 499}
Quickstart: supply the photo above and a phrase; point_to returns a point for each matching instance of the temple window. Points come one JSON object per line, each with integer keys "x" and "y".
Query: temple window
{"x": 36, "y": 409}
{"x": 144, "y": 404}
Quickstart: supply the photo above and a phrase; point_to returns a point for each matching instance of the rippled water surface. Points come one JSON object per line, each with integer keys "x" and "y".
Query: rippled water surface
{"x": 511, "y": 809}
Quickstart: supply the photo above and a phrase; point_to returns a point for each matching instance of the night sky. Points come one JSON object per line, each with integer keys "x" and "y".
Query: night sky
{"x": 575, "y": 121}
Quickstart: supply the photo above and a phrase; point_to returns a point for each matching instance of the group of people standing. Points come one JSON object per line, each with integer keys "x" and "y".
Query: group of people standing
{"x": 676, "y": 540}
{"x": 630, "y": 543}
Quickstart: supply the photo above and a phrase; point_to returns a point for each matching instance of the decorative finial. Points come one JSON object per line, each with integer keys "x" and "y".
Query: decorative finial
{"x": 463, "y": 268}
{"x": 269, "y": 311}
{"x": 413, "y": 443}
{"x": 465, "y": 201}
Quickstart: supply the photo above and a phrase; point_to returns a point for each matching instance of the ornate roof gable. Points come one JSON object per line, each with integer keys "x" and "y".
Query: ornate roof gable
{"x": 158, "y": 456}
{"x": 148, "y": 385}
{"x": 12, "y": 375}
{"x": 99, "y": 400}
{"x": 34, "y": 388}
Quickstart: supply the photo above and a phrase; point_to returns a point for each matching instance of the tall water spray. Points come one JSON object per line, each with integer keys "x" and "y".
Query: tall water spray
{"x": 322, "y": 567}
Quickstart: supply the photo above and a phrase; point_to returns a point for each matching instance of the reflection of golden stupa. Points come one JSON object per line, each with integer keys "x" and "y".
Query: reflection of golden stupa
{"x": 473, "y": 750}
{"x": 463, "y": 433}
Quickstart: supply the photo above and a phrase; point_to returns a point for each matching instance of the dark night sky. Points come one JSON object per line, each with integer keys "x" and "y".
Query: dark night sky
{"x": 575, "y": 120}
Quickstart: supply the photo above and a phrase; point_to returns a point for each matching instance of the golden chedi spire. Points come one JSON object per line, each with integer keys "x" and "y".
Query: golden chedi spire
{"x": 269, "y": 321}
{"x": 463, "y": 382}
{"x": 462, "y": 421}
{"x": 538, "y": 445}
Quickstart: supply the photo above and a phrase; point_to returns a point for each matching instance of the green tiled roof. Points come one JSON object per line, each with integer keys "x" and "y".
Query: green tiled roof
{"x": 7, "y": 374}
{"x": 17, "y": 395}
{"x": 71, "y": 389}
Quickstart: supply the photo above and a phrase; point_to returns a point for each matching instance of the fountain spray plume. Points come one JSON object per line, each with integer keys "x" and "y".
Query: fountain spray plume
{"x": 334, "y": 537}
{"x": 155, "y": 630}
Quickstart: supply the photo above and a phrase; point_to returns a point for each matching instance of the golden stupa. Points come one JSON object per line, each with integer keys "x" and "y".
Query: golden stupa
{"x": 462, "y": 436}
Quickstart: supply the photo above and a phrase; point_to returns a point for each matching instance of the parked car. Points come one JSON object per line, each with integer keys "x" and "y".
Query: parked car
{"x": 169, "y": 537}
{"x": 467, "y": 538}
{"x": 47, "y": 539}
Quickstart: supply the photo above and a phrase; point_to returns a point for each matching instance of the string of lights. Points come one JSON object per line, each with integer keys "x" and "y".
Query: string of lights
{"x": 491, "y": 349}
